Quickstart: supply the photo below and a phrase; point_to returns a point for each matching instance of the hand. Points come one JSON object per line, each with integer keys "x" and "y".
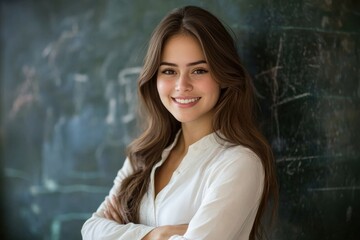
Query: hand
{"x": 165, "y": 232}
{"x": 112, "y": 209}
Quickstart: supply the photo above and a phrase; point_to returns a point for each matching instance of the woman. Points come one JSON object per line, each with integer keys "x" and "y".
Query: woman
{"x": 201, "y": 169}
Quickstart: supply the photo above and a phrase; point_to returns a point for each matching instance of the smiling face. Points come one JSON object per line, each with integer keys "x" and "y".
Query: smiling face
{"x": 184, "y": 82}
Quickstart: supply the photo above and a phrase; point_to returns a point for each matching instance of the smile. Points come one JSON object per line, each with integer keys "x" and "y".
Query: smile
{"x": 186, "y": 100}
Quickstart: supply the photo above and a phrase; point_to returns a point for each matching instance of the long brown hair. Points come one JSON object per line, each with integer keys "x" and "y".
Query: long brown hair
{"x": 234, "y": 113}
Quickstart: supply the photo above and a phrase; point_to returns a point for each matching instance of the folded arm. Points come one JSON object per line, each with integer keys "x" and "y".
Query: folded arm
{"x": 105, "y": 223}
{"x": 230, "y": 202}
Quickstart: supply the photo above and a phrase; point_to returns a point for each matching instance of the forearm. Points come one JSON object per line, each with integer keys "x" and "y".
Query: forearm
{"x": 98, "y": 227}
{"x": 165, "y": 232}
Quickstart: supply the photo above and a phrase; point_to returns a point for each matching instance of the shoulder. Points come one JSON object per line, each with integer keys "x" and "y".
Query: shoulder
{"x": 238, "y": 155}
{"x": 236, "y": 171}
{"x": 238, "y": 161}
{"x": 235, "y": 155}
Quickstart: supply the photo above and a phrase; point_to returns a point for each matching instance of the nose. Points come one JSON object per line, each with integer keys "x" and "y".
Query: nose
{"x": 183, "y": 84}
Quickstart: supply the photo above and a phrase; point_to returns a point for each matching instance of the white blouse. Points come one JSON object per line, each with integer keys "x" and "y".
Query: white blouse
{"x": 216, "y": 190}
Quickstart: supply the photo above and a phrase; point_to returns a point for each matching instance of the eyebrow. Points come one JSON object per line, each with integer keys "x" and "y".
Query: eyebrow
{"x": 188, "y": 65}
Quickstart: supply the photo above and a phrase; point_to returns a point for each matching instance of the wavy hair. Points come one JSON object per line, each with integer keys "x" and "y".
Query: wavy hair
{"x": 234, "y": 116}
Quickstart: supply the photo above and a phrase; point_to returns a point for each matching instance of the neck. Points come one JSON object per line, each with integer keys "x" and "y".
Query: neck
{"x": 191, "y": 135}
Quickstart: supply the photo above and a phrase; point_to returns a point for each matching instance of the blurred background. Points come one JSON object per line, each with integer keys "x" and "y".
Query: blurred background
{"x": 68, "y": 106}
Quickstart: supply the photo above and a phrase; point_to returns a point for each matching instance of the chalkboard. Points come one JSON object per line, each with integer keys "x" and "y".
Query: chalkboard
{"x": 68, "y": 106}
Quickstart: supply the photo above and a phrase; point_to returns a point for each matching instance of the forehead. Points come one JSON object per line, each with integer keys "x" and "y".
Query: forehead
{"x": 182, "y": 48}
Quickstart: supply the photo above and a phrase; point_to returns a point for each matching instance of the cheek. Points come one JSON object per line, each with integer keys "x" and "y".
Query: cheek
{"x": 214, "y": 89}
{"x": 163, "y": 87}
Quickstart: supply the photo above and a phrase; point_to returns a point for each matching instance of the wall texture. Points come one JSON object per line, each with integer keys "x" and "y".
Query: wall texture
{"x": 68, "y": 106}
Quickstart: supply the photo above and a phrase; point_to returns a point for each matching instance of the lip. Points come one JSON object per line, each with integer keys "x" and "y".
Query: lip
{"x": 185, "y": 102}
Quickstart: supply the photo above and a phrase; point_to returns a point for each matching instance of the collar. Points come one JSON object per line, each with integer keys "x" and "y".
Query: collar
{"x": 211, "y": 140}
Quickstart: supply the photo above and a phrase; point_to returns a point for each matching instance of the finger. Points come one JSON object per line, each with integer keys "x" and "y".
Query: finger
{"x": 107, "y": 212}
{"x": 107, "y": 215}
{"x": 114, "y": 214}
{"x": 115, "y": 202}
{"x": 113, "y": 211}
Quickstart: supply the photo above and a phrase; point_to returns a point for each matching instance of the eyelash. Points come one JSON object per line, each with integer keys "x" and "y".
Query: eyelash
{"x": 202, "y": 71}
{"x": 196, "y": 71}
{"x": 168, "y": 71}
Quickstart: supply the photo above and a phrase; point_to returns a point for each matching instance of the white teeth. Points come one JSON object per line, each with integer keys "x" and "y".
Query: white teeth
{"x": 186, "y": 101}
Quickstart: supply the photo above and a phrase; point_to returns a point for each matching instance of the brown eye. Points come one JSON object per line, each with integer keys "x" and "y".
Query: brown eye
{"x": 200, "y": 71}
{"x": 168, "y": 72}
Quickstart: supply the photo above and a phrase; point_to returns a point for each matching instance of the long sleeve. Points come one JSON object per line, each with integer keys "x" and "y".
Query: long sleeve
{"x": 230, "y": 201}
{"x": 98, "y": 227}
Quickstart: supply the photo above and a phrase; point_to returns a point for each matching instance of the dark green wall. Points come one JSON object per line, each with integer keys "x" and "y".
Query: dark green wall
{"x": 68, "y": 99}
